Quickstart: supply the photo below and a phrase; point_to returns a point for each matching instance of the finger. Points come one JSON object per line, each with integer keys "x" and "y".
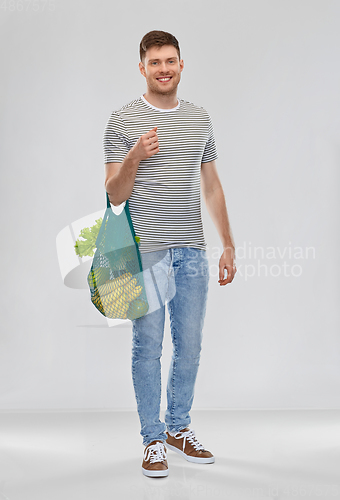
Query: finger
{"x": 152, "y": 150}
{"x": 225, "y": 282}
{"x": 221, "y": 273}
{"x": 150, "y": 137}
{"x": 231, "y": 274}
{"x": 152, "y": 145}
{"x": 152, "y": 132}
{"x": 229, "y": 278}
{"x": 150, "y": 142}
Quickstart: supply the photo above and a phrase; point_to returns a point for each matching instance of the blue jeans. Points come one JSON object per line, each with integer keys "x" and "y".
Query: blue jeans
{"x": 179, "y": 278}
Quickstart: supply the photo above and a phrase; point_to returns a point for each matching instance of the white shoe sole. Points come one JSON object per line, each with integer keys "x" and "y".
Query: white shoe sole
{"x": 195, "y": 460}
{"x": 155, "y": 473}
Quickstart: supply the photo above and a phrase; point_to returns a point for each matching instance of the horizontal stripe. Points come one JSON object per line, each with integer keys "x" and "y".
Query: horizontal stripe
{"x": 165, "y": 203}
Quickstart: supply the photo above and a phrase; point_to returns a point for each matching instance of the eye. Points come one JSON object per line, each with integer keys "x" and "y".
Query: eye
{"x": 153, "y": 63}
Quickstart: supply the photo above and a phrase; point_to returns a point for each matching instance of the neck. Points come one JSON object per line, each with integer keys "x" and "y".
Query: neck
{"x": 160, "y": 100}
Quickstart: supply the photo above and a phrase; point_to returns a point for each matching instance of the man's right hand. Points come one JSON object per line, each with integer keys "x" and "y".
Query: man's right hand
{"x": 120, "y": 177}
{"x": 146, "y": 146}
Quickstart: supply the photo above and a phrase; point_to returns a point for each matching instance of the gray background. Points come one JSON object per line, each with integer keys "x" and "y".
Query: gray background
{"x": 268, "y": 74}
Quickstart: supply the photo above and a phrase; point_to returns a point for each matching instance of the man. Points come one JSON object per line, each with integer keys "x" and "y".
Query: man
{"x": 158, "y": 151}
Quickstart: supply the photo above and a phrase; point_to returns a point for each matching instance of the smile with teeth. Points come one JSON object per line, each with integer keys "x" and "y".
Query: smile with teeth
{"x": 164, "y": 79}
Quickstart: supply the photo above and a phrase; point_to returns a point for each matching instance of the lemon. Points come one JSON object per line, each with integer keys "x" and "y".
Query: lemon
{"x": 138, "y": 308}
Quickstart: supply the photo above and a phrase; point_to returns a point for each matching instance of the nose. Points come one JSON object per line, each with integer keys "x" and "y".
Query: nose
{"x": 163, "y": 67}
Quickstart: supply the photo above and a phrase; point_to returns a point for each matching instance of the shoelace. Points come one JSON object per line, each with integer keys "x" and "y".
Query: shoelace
{"x": 190, "y": 436}
{"x": 156, "y": 453}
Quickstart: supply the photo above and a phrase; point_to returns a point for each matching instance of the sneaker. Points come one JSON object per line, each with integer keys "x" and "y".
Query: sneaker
{"x": 186, "y": 444}
{"x": 154, "y": 460}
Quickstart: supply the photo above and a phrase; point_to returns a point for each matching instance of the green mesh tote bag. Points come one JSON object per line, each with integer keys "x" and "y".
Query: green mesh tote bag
{"x": 116, "y": 275}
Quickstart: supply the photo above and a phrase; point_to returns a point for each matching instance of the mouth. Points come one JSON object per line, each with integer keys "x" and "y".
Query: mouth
{"x": 164, "y": 79}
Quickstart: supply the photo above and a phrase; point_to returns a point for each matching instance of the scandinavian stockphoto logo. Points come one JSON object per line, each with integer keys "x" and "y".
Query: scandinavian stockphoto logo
{"x": 265, "y": 262}
{"x": 76, "y": 244}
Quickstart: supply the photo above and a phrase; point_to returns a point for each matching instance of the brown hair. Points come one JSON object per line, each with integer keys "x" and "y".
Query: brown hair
{"x": 158, "y": 38}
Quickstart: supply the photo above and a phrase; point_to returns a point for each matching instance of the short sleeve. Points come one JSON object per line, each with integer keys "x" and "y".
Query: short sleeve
{"x": 210, "y": 151}
{"x": 116, "y": 143}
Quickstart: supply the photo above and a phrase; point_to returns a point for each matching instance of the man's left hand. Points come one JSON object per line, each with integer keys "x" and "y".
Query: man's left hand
{"x": 227, "y": 261}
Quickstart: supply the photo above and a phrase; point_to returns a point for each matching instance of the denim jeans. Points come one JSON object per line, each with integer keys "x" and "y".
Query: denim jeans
{"x": 176, "y": 277}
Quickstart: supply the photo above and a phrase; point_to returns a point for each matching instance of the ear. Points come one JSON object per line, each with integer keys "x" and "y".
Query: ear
{"x": 142, "y": 68}
{"x": 181, "y": 65}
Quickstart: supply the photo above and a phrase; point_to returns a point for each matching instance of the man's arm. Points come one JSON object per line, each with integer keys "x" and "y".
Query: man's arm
{"x": 215, "y": 201}
{"x": 120, "y": 177}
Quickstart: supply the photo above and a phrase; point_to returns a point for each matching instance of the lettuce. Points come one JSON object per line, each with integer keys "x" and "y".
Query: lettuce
{"x": 87, "y": 247}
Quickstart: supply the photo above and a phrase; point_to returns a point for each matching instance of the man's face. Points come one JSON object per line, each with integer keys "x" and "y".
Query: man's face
{"x": 162, "y": 69}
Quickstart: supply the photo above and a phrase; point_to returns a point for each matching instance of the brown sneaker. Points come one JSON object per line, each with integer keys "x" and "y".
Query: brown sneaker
{"x": 185, "y": 443}
{"x": 154, "y": 460}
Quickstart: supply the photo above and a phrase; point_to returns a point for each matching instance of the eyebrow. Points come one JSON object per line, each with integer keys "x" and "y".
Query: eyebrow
{"x": 168, "y": 59}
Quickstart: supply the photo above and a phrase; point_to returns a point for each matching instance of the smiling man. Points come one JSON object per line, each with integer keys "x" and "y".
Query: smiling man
{"x": 159, "y": 151}
{"x": 162, "y": 69}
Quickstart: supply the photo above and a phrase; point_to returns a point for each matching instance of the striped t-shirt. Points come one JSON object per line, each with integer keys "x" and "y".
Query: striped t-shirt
{"x": 165, "y": 203}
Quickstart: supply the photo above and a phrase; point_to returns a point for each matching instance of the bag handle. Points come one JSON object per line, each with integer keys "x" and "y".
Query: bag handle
{"x": 108, "y": 204}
